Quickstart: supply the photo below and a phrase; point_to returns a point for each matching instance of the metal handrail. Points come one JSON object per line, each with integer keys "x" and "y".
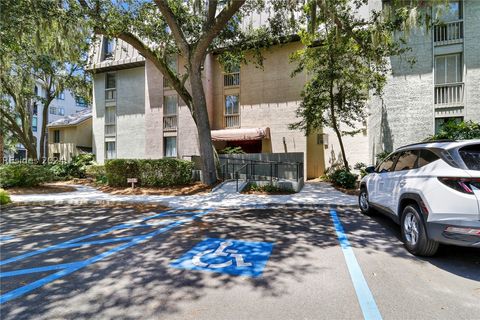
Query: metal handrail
{"x": 237, "y": 175}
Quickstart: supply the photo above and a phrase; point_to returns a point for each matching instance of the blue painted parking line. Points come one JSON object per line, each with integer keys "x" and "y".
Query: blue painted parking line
{"x": 364, "y": 295}
{"x": 235, "y": 257}
{"x": 68, "y": 268}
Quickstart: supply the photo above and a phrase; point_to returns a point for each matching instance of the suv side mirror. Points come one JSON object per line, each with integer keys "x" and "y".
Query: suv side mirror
{"x": 370, "y": 169}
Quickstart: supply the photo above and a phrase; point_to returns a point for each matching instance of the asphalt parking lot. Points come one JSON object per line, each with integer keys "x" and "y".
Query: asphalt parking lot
{"x": 70, "y": 262}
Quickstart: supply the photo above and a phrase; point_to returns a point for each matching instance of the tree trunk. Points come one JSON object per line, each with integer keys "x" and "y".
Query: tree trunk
{"x": 335, "y": 126}
{"x": 209, "y": 175}
{"x": 1, "y": 139}
{"x": 43, "y": 130}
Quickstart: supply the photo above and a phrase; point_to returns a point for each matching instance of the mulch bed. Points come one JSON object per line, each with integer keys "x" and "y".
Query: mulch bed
{"x": 352, "y": 192}
{"x": 268, "y": 193}
{"x": 41, "y": 189}
{"x": 195, "y": 188}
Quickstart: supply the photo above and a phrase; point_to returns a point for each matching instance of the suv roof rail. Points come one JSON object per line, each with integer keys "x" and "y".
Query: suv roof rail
{"x": 424, "y": 142}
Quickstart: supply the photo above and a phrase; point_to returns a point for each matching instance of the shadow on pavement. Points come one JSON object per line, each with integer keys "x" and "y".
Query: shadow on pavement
{"x": 138, "y": 282}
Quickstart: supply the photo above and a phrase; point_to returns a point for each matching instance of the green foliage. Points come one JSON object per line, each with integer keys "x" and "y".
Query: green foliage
{"x": 4, "y": 197}
{"x": 76, "y": 168}
{"x": 360, "y": 166}
{"x": 97, "y": 172}
{"x": 41, "y": 44}
{"x": 382, "y": 156}
{"x": 463, "y": 130}
{"x": 23, "y": 175}
{"x": 150, "y": 173}
{"x": 343, "y": 178}
{"x": 268, "y": 188}
{"x": 232, "y": 150}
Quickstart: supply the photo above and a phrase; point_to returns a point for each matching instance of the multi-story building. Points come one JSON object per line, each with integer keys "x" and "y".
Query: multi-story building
{"x": 66, "y": 103}
{"x": 137, "y": 115}
{"x": 443, "y": 84}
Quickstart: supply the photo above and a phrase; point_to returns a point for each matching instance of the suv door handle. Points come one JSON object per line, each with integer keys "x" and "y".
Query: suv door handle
{"x": 403, "y": 183}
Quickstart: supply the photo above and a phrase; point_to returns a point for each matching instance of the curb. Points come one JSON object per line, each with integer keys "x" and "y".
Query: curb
{"x": 79, "y": 202}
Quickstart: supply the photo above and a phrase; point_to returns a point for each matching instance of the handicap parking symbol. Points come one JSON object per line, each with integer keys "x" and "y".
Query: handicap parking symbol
{"x": 235, "y": 257}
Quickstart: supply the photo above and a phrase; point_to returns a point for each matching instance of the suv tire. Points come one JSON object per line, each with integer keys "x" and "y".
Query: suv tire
{"x": 414, "y": 235}
{"x": 363, "y": 202}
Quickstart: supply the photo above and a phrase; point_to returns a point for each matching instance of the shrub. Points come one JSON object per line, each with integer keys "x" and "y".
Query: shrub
{"x": 4, "y": 197}
{"x": 382, "y": 156}
{"x": 232, "y": 150}
{"x": 96, "y": 172}
{"x": 76, "y": 168}
{"x": 458, "y": 130}
{"x": 23, "y": 175}
{"x": 360, "y": 166}
{"x": 151, "y": 173}
{"x": 268, "y": 188}
{"x": 343, "y": 178}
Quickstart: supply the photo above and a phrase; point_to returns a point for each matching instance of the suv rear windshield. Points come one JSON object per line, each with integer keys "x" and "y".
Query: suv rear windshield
{"x": 471, "y": 156}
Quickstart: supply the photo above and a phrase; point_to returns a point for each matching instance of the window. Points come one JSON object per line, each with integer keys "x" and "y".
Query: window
{"x": 426, "y": 157}
{"x": 80, "y": 102}
{"x": 231, "y": 105}
{"x": 170, "y": 146}
{"x": 110, "y": 83}
{"x": 108, "y": 47}
{"x": 451, "y": 11}
{"x": 110, "y": 150}
{"x": 172, "y": 62}
{"x": 35, "y": 109}
{"x": 61, "y": 95}
{"x": 110, "y": 115}
{"x": 56, "y": 136}
{"x": 387, "y": 164}
{"x": 34, "y": 124}
{"x": 36, "y": 90}
{"x": 440, "y": 122}
{"x": 406, "y": 160}
{"x": 53, "y": 110}
{"x": 110, "y": 86}
{"x": 471, "y": 156}
{"x": 448, "y": 69}
{"x": 61, "y": 111}
{"x": 170, "y": 105}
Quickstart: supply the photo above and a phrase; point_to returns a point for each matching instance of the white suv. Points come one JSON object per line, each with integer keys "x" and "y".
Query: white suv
{"x": 432, "y": 190}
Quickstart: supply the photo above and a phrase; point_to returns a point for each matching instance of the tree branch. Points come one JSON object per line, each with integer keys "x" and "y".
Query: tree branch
{"x": 212, "y": 10}
{"x": 159, "y": 63}
{"x": 220, "y": 22}
{"x": 169, "y": 17}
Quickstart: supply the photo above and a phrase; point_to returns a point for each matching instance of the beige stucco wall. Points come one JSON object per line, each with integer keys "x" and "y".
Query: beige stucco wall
{"x": 71, "y": 137}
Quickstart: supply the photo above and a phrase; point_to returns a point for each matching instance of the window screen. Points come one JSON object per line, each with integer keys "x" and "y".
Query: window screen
{"x": 231, "y": 104}
{"x": 170, "y": 105}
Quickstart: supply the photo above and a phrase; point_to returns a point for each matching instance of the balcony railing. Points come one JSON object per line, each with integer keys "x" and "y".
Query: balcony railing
{"x": 111, "y": 94}
{"x": 169, "y": 122}
{"x": 449, "y": 94}
{"x": 231, "y": 79}
{"x": 232, "y": 120}
{"x": 448, "y": 33}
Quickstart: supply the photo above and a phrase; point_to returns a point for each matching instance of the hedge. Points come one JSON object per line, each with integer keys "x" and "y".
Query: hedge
{"x": 150, "y": 173}
{"x": 23, "y": 175}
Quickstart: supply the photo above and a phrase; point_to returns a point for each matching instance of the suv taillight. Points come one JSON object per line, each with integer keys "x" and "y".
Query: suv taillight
{"x": 464, "y": 185}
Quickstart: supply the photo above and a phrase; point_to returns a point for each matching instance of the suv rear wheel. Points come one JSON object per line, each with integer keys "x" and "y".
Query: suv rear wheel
{"x": 414, "y": 234}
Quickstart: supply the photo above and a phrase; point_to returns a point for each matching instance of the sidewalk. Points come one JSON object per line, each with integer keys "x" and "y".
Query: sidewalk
{"x": 312, "y": 194}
